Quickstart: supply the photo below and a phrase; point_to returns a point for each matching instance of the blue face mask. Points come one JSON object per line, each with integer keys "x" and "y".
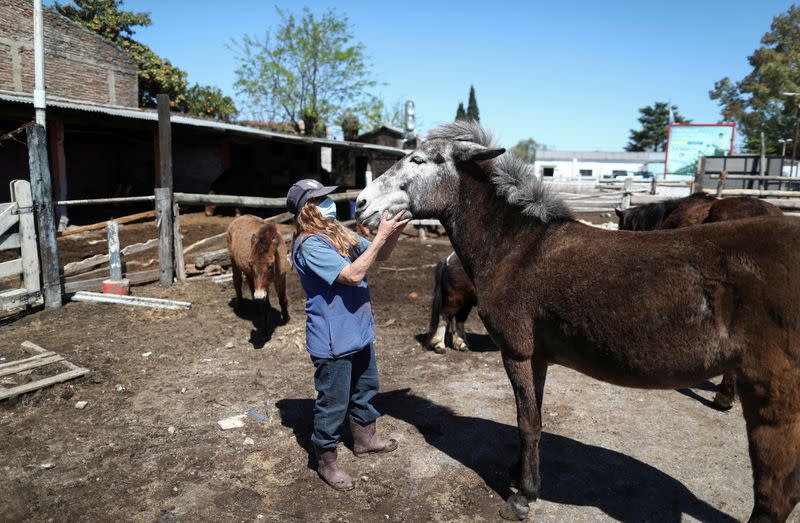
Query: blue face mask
{"x": 328, "y": 209}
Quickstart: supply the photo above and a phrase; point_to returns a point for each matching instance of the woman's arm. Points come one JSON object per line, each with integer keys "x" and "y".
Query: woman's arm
{"x": 384, "y": 243}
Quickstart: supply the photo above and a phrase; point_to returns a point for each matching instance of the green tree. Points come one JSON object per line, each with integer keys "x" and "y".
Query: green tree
{"x": 156, "y": 74}
{"x": 461, "y": 114}
{"x": 755, "y": 103}
{"x": 472, "y": 106}
{"x": 526, "y": 149}
{"x": 654, "y": 122}
{"x": 308, "y": 69}
{"x": 203, "y": 100}
{"x": 350, "y": 125}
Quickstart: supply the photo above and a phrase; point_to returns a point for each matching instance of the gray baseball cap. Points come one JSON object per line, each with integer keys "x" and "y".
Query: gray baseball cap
{"x": 304, "y": 190}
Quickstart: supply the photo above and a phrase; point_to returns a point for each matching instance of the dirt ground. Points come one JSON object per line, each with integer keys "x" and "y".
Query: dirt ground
{"x": 147, "y": 446}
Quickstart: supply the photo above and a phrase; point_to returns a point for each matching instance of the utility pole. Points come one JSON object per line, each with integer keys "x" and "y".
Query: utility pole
{"x": 39, "y": 103}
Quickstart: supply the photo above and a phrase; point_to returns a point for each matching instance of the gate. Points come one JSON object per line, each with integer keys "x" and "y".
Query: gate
{"x": 18, "y": 233}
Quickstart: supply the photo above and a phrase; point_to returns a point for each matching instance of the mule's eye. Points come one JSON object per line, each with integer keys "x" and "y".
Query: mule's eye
{"x": 417, "y": 160}
{"x": 403, "y": 186}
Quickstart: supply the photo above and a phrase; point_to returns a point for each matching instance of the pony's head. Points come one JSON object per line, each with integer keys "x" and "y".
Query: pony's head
{"x": 426, "y": 179}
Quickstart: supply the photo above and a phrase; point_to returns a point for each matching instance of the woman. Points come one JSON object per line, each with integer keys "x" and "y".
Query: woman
{"x": 340, "y": 331}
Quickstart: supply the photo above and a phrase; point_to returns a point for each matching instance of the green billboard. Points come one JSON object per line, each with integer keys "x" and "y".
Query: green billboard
{"x": 686, "y": 143}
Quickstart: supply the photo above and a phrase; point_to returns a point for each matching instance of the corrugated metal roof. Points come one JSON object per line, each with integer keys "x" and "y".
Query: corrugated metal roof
{"x": 601, "y": 156}
{"x": 152, "y": 115}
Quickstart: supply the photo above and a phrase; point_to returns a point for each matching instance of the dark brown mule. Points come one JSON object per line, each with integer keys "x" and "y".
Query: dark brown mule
{"x": 693, "y": 210}
{"x": 258, "y": 252}
{"x": 453, "y": 299}
{"x": 716, "y": 297}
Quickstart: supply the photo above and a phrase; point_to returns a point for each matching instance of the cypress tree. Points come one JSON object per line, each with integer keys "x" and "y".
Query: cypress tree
{"x": 472, "y": 106}
{"x": 460, "y": 113}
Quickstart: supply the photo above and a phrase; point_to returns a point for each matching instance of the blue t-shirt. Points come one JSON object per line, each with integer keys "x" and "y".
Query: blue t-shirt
{"x": 317, "y": 256}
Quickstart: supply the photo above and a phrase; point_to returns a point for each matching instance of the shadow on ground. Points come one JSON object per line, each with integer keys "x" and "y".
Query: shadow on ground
{"x": 573, "y": 473}
{"x": 252, "y": 311}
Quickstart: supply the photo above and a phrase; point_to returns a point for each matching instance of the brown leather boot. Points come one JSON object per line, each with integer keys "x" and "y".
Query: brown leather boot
{"x": 367, "y": 441}
{"x": 329, "y": 470}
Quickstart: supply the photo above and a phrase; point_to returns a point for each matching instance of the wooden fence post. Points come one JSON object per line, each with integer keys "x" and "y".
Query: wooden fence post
{"x": 721, "y": 183}
{"x": 164, "y": 193}
{"x": 180, "y": 265}
{"x": 114, "y": 260}
{"x": 41, "y": 188}
{"x": 653, "y": 185}
{"x": 626, "y": 196}
{"x": 165, "y": 241}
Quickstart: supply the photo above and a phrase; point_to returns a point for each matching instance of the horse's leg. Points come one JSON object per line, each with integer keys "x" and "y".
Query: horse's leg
{"x": 723, "y": 399}
{"x": 280, "y": 290}
{"x": 529, "y": 423}
{"x": 438, "y": 338}
{"x": 459, "y": 341}
{"x": 773, "y": 433}
{"x": 237, "y": 285}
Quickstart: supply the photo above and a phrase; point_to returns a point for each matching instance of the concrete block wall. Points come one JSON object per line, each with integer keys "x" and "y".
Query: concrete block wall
{"x": 79, "y": 64}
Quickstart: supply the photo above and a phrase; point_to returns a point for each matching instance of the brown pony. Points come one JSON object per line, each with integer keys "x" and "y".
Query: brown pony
{"x": 453, "y": 299}
{"x": 714, "y": 298}
{"x": 257, "y": 250}
{"x": 693, "y": 210}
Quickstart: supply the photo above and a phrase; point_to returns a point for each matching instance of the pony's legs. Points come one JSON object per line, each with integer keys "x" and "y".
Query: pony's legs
{"x": 458, "y": 341}
{"x": 529, "y": 423}
{"x": 438, "y": 338}
{"x": 459, "y": 335}
{"x": 280, "y": 290}
{"x": 237, "y": 285}
{"x": 726, "y": 394}
{"x": 773, "y": 433}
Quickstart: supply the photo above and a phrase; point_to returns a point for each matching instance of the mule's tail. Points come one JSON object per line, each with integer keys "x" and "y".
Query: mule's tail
{"x": 439, "y": 296}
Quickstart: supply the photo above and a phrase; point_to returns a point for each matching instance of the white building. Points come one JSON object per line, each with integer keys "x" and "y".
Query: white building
{"x": 571, "y": 167}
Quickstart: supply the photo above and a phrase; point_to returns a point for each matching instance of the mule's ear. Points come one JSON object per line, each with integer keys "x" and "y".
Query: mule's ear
{"x": 620, "y": 214}
{"x": 464, "y": 151}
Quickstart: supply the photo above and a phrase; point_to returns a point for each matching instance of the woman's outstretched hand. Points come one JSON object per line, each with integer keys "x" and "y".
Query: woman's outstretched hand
{"x": 390, "y": 227}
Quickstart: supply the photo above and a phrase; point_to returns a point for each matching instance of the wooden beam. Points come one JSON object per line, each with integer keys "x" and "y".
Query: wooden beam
{"x": 165, "y": 231}
{"x": 180, "y": 268}
{"x": 9, "y": 241}
{"x": 164, "y": 141}
{"x": 78, "y": 267}
{"x": 136, "y": 278}
{"x": 40, "y": 384}
{"x": 21, "y": 191}
{"x": 33, "y": 362}
{"x": 11, "y": 268}
{"x": 102, "y": 225}
{"x": 114, "y": 259}
{"x": 41, "y": 188}
{"x": 8, "y": 216}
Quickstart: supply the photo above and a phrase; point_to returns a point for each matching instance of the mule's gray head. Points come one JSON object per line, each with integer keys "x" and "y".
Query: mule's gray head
{"x": 426, "y": 179}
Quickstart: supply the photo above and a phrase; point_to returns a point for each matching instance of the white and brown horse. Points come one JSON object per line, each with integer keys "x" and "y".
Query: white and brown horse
{"x": 710, "y": 299}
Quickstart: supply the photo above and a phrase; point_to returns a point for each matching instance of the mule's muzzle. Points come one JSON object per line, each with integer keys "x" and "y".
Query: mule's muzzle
{"x": 259, "y": 294}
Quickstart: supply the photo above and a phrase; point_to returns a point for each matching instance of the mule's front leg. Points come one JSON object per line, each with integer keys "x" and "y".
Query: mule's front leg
{"x": 529, "y": 422}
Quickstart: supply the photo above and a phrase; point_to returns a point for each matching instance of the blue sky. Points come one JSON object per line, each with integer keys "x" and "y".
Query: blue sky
{"x": 571, "y": 75}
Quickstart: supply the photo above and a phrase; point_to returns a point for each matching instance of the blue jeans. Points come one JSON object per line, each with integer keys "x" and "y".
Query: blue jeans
{"x": 350, "y": 381}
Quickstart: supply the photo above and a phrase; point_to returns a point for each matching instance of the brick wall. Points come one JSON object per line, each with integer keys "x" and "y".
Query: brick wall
{"x": 78, "y": 63}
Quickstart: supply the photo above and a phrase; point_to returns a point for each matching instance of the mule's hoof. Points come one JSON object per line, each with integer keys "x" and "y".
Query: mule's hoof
{"x": 722, "y": 402}
{"x": 460, "y": 345}
{"x": 515, "y": 509}
{"x": 438, "y": 346}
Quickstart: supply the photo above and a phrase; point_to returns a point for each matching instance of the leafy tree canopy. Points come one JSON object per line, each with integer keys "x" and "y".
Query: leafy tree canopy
{"x": 755, "y": 103}
{"x": 654, "y": 120}
{"x": 526, "y": 149}
{"x": 308, "y": 69}
{"x": 156, "y": 74}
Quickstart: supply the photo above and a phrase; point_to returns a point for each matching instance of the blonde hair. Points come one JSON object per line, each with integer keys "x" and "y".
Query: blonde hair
{"x": 309, "y": 220}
